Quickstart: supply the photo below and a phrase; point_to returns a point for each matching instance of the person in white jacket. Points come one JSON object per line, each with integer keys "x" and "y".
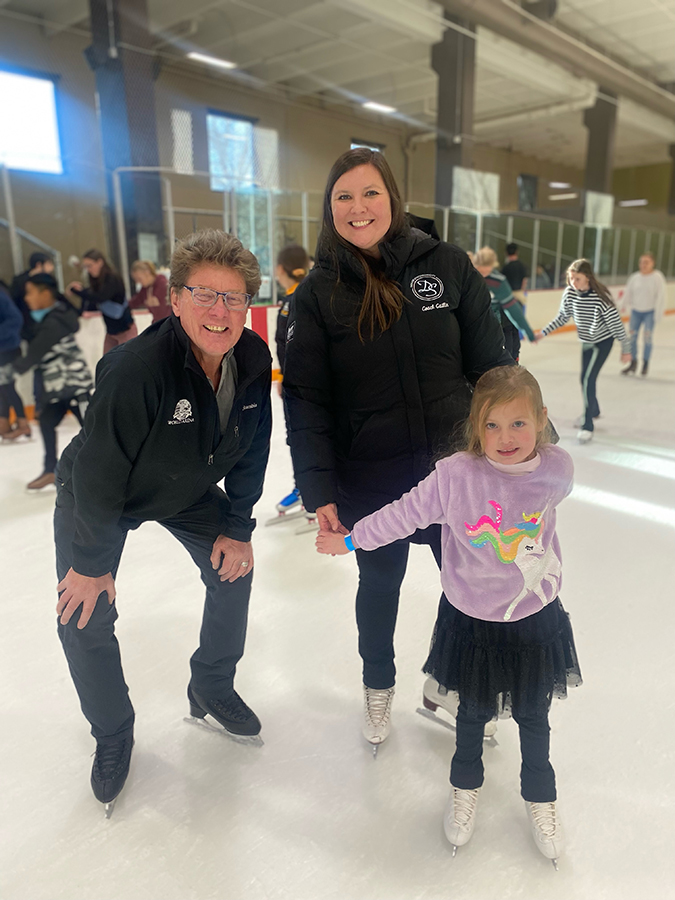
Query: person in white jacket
{"x": 645, "y": 297}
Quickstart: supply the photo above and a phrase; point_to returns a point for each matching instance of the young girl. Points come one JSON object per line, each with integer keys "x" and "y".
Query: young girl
{"x": 598, "y": 322}
{"x": 292, "y": 267}
{"x": 505, "y": 306}
{"x": 503, "y": 641}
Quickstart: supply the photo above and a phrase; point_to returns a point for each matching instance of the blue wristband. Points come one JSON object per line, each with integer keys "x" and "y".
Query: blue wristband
{"x": 349, "y": 543}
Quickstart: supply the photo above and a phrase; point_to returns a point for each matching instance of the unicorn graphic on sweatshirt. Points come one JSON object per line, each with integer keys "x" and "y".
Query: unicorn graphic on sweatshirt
{"x": 521, "y": 544}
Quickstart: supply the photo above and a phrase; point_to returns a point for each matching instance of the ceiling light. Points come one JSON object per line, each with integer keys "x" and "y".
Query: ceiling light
{"x": 559, "y": 185}
{"x": 212, "y": 61}
{"x": 563, "y": 196}
{"x": 378, "y": 107}
{"x": 633, "y": 202}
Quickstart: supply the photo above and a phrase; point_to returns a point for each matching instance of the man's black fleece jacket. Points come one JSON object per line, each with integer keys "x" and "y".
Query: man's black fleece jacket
{"x": 151, "y": 445}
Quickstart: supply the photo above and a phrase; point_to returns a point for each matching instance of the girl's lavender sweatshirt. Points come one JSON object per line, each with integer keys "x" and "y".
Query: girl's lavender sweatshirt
{"x": 500, "y": 551}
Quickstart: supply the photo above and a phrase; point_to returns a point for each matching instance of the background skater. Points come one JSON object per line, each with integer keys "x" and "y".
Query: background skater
{"x": 175, "y": 411}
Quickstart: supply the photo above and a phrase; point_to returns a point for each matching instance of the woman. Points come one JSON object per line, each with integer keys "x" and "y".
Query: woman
{"x": 154, "y": 292}
{"x": 385, "y": 336}
{"x": 645, "y": 297}
{"x": 598, "y": 322}
{"x": 107, "y": 295}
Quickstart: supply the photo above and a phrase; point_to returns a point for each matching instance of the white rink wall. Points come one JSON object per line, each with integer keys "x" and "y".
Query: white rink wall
{"x": 542, "y": 306}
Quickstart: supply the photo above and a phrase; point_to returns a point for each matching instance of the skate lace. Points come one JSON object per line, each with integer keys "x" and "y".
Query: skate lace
{"x": 465, "y": 806}
{"x": 545, "y": 819}
{"x": 378, "y": 705}
{"x": 109, "y": 759}
{"x": 233, "y": 708}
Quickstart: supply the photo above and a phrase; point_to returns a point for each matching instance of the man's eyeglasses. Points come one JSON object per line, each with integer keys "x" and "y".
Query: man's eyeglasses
{"x": 234, "y": 300}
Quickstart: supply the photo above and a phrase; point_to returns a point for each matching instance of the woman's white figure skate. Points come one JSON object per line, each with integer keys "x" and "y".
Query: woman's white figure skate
{"x": 546, "y": 830}
{"x": 377, "y": 715}
{"x": 459, "y": 817}
{"x": 433, "y": 696}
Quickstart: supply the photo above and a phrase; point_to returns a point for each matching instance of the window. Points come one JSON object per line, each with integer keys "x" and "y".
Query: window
{"x": 369, "y": 145}
{"x": 241, "y": 154}
{"x": 29, "y": 136}
{"x": 181, "y": 131}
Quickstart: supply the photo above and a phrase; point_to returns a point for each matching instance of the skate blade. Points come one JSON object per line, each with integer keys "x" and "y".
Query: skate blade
{"x": 253, "y": 740}
{"x": 285, "y": 517}
{"x": 454, "y": 850}
{"x": 310, "y": 526}
{"x": 109, "y": 807}
{"x": 554, "y": 863}
{"x": 490, "y": 740}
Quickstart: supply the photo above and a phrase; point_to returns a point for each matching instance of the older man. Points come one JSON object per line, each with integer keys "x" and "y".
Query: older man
{"x": 176, "y": 410}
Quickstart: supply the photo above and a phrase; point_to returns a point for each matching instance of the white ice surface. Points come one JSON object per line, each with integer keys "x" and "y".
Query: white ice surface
{"x": 311, "y": 816}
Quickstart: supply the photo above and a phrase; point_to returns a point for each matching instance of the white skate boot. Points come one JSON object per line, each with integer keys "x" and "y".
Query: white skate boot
{"x": 377, "y": 715}
{"x": 460, "y": 816}
{"x": 546, "y": 830}
{"x": 433, "y": 696}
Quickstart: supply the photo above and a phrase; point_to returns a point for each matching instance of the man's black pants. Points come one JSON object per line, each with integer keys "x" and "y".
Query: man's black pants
{"x": 50, "y": 418}
{"x": 381, "y": 574}
{"x": 93, "y": 652}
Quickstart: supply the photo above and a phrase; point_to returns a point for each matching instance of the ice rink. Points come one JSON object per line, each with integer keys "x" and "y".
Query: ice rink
{"x": 311, "y": 815}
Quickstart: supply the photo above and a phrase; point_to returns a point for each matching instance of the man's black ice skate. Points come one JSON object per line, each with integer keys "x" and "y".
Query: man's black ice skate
{"x": 645, "y": 368}
{"x": 231, "y": 712}
{"x": 110, "y": 770}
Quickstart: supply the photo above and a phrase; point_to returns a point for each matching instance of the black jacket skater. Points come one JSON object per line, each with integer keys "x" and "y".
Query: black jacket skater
{"x": 368, "y": 417}
{"x": 151, "y": 443}
{"x": 110, "y": 295}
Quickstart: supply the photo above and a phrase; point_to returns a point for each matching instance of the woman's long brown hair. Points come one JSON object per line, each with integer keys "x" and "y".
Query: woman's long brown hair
{"x": 583, "y": 267}
{"x": 106, "y": 268}
{"x": 383, "y": 301}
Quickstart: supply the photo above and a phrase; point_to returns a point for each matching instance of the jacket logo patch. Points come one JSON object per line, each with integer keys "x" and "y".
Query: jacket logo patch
{"x": 290, "y": 332}
{"x": 427, "y": 287}
{"x": 249, "y": 406}
{"x": 182, "y": 414}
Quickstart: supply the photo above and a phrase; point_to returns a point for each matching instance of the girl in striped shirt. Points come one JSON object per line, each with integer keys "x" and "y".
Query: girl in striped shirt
{"x": 598, "y": 322}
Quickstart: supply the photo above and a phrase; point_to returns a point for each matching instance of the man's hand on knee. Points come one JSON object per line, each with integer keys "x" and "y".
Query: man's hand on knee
{"x": 81, "y": 590}
{"x": 232, "y": 559}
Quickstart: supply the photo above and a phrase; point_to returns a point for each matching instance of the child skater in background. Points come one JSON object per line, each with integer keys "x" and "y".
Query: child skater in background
{"x": 598, "y": 322}
{"x": 503, "y": 640}
{"x": 292, "y": 266}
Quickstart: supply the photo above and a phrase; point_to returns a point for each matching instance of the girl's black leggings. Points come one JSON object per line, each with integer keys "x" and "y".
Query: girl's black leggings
{"x": 593, "y": 358}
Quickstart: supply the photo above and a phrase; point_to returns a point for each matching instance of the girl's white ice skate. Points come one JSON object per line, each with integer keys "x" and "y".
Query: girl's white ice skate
{"x": 546, "y": 830}
{"x": 377, "y": 715}
{"x": 460, "y": 816}
{"x": 433, "y": 696}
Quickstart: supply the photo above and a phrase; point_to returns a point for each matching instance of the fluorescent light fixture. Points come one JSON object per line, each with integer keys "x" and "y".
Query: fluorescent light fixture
{"x": 563, "y": 196}
{"x": 559, "y": 185}
{"x": 212, "y": 61}
{"x": 642, "y": 202}
{"x": 378, "y": 107}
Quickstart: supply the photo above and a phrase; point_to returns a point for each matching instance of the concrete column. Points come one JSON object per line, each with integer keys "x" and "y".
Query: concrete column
{"x": 454, "y": 60}
{"x": 126, "y": 104}
{"x": 671, "y": 194}
{"x": 601, "y": 123}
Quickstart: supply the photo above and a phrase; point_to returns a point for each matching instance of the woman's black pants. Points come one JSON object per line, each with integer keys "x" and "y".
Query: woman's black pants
{"x": 380, "y": 577}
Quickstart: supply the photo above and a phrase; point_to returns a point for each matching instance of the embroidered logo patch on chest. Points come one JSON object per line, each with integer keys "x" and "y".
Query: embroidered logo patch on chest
{"x": 427, "y": 287}
{"x": 182, "y": 414}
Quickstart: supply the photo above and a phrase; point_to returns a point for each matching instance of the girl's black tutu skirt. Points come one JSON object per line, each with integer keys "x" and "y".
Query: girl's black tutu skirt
{"x": 496, "y": 667}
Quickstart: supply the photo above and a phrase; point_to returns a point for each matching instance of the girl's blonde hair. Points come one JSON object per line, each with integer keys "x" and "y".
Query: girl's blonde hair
{"x": 486, "y": 256}
{"x": 498, "y": 386}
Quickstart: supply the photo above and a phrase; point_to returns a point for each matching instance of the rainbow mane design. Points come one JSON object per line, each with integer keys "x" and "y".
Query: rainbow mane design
{"x": 505, "y": 542}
